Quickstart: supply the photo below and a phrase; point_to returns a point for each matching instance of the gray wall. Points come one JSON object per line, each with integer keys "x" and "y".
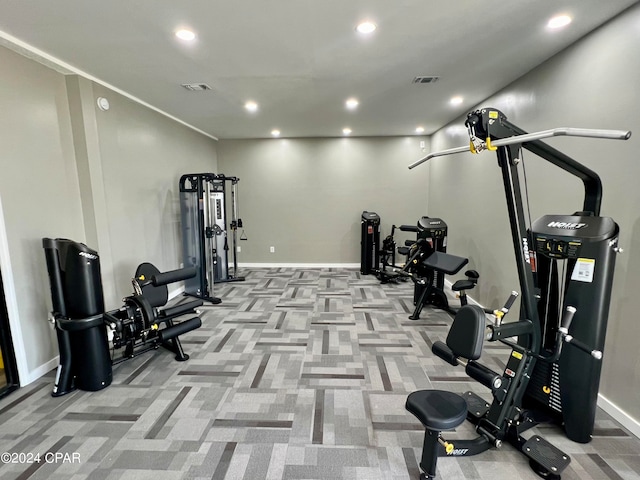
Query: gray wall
{"x": 594, "y": 84}
{"x": 305, "y": 197}
{"x": 70, "y": 170}
{"x": 39, "y": 191}
{"x": 143, "y": 156}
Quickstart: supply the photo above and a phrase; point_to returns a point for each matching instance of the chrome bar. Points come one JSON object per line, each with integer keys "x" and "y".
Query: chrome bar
{"x": 529, "y": 137}
{"x": 441, "y": 153}
{"x": 564, "y": 131}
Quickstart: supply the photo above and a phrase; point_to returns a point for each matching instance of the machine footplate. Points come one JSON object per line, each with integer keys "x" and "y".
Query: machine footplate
{"x": 545, "y": 455}
{"x": 477, "y": 407}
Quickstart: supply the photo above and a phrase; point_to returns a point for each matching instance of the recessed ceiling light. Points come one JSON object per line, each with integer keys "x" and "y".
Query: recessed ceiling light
{"x": 346, "y": 131}
{"x": 251, "y": 106}
{"x": 351, "y": 103}
{"x": 186, "y": 35}
{"x": 559, "y": 21}
{"x": 419, "y": 129}
{"x": 456, "y": 100}
{"x": 275, "y": 132}
{"x": 366, "y": 27}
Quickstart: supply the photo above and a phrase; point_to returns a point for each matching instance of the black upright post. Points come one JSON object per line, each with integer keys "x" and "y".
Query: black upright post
{"x": 370, "y": 242}
{"x": 78, "y": 303}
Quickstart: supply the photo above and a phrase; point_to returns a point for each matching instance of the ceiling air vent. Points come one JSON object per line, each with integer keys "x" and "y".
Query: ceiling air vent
{"x": 196, "y": 87}
{"x": 425, "y": 79}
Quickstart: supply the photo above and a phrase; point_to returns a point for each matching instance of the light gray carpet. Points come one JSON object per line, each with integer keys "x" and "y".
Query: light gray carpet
{"x": 298, "y": 374}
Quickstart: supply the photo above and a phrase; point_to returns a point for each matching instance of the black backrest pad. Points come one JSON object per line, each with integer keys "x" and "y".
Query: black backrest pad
{"x": 156, "y": 296}
{"x": 467, "y": 332}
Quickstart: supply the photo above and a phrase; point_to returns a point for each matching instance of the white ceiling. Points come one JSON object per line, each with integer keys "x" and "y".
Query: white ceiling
{"x": 301, "y": 59}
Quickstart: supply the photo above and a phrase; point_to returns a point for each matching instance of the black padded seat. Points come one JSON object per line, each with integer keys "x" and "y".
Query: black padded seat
{"x": 463, "y": 285}
{"x": 403, "y": 250}
{"x": 468, "y": 283}
{"x": 437, "y": 409}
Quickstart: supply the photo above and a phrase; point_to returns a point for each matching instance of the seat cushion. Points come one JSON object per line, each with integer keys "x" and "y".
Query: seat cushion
{"x": 466, "y": 335}
{"x": 437, "y": 409}
{"x": 463, "y": 285}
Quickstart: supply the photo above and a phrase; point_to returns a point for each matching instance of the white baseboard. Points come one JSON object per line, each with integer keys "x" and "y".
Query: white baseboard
{"x": 619, "y": 415}
{"x": 38, "y": 372}
{"x": 298, "y": 265}
{"x": 173, "y": 293}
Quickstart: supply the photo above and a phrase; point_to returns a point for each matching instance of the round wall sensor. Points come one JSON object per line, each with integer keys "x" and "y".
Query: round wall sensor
{"x": 103, "y": 104}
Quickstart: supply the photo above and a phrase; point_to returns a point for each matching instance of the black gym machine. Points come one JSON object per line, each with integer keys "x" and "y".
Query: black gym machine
{"x": 427, "y": 261}
{"x": 565, "y": 267}
{"x": 142, "y": 324}
{"x": 427, "y": 264}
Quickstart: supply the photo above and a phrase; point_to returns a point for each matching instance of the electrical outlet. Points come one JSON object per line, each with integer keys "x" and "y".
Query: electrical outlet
{"x": 239, "y": 248}
{"x": 422, "y": 144}
{"x": 272, "y": 249}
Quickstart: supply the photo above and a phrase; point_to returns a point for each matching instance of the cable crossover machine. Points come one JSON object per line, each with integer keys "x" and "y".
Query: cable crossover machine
{"x": 205, "y": 231}
{"x": 565, "y": 266}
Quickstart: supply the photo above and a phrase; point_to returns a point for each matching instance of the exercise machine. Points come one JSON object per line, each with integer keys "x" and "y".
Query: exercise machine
{"x": 369, "y": 242}
{"x": 82, "y": 324}
{"x": 206, "y": 231}
{"x": 565, "y": 266}
{"x": 428, "y": 264}
{"x": 387, "y": 258}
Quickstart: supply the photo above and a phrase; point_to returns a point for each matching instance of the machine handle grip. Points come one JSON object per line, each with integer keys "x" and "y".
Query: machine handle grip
{"x": 510, "y": 301}
{"x": 504, "y": 310}
{"x": 567, "y": 318}
{"x": 173, "y": 276}
{"x": 597, "y": 354}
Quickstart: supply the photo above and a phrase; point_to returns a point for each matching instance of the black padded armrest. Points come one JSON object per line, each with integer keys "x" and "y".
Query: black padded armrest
{"x": 445, "y": 262}
{"x": 178, "y": 310}
{"x": 172, "y": 276}
{"x": 409, "y": 228}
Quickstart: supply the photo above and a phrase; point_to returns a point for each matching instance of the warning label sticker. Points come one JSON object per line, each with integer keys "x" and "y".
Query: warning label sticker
{"x": 583, "y": 270}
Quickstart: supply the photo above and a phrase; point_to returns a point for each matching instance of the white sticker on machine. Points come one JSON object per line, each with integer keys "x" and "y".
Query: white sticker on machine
{"x": 583, "y": 270}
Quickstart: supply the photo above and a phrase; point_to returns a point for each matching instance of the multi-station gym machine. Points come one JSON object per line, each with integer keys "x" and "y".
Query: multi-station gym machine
{"x": 565, "y": 266}
{"x": 205, "y": 231}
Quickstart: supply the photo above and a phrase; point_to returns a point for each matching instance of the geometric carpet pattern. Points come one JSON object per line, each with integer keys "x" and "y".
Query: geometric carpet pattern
{"x": 297, "y": 374}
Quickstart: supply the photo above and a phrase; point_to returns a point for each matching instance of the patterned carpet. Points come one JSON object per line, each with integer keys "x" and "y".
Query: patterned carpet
{"x": 298, "y": 374}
